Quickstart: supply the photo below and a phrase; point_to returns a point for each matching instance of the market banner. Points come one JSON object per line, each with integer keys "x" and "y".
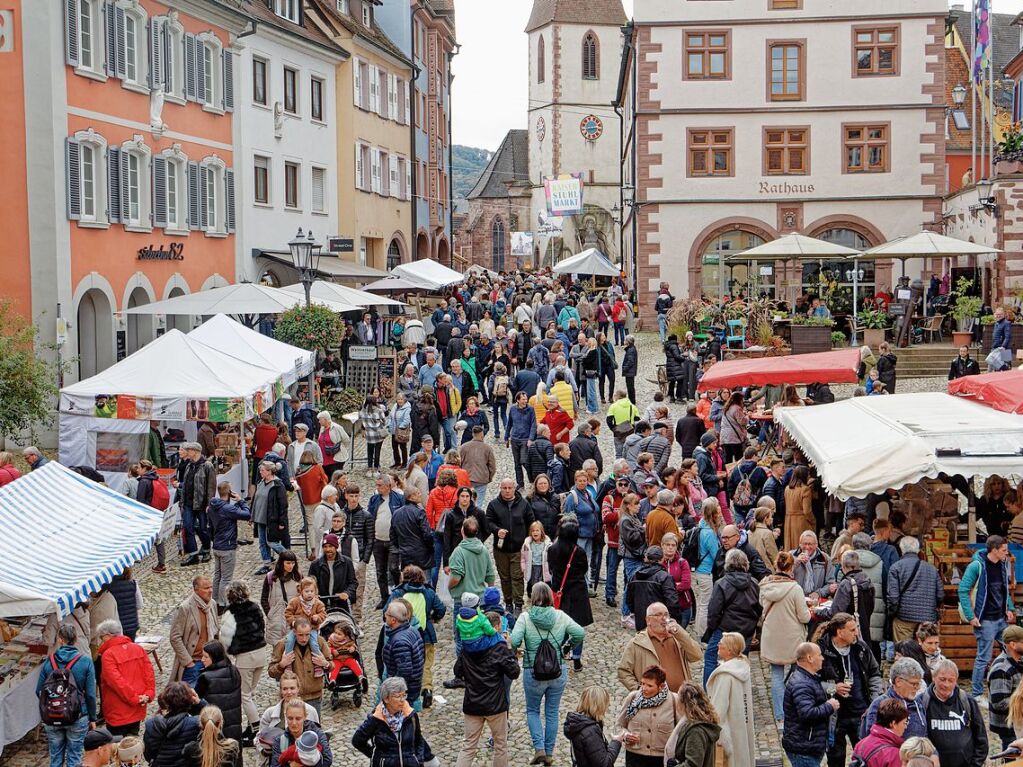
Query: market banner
{"x": 564, "y": 194}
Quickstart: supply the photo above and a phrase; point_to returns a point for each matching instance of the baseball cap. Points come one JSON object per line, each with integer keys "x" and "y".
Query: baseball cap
{"x": 98, "y": 738}
{"x": 1012, "y": 634}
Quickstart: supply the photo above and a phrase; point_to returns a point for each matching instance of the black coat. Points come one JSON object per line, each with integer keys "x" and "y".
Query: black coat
{"x": 583, "y": 448}
{"x": 515, "y": 516}
{"x": 688, "y": 431}
{"x": 886, "y": 371}
{"x": 843, "y": 599}
{"x": 412, "y": 537}
{"x": 651, "y": 583}
{"x": 630, "y": 362}
{"x": 250, "y": 627}
{"x": 165, "y": 737}
{"x": 123, "y": 591}
{"x": 344, "y": 581}
{"x": 963, "y": 367}
{"x": 757, "y": 569}
{"x": 673, "y": 361}
{"x": 425, "y": 421}
{"x": 277, "y": 514}
{"x": 833, "y": 670}
{"x": 589, "y": 746}
{"x": 442, "y": 332}
{"x": 806, "y": 714}
{"x": 407, "y": 748}
{"x": 452, "y": 533}
{"x": 221, "y": 685}
{"x": 546, "y": 510}
{"x": 538, "y": 456}
{"x": 575, "y": 600}
{"x": 485, "y": 674}
{"x": 734, "y": 605}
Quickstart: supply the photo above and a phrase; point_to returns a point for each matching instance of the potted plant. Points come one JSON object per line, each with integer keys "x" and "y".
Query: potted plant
{"x": 964, "y": 312}
{"x": 838, "y": 339}
{"x": 1009, "y": 157}
{"x": 811, "y": 334}
{"x": 873, "y": 323}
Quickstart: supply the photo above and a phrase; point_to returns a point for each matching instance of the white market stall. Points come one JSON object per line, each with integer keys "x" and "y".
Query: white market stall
{"x": 589, "y": 262}
{"x": 222, "y": 332}
{"x": 65, "y": 538}
{"x": 241, "y": 298}
{"x": 332, "y": 291}
{"x": 428, "y": 274}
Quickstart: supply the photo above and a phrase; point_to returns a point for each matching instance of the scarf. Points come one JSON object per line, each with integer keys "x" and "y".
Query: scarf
{"x": 394, "y": 721}
{"x": 203, "y": 606}
{"x": 307, "y": 606}
{"x": 639, "y": 702}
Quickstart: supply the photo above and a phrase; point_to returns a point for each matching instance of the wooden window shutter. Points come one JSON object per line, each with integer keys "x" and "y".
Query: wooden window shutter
{"x": 114, "y": 184}
{"x": 228, "y": 59}
{"x": 229, "y": 199}
{"x": 193, "y": 195}
{"x": 160, "y": 167}
{"x": 71, "y": 51}
{"x": 73, "y": 178}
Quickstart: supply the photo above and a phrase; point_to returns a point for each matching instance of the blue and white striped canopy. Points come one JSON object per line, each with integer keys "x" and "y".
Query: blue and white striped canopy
{"x": 63, "y": 537}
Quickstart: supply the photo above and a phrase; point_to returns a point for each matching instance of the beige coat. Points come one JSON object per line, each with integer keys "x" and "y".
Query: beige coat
{"x": 184, "y": 633}
{"x": 786, "y": 616}
{"x": 478, "y": 459}
{"x": 764, "y": 542}
{"x": 730, "y": 689}
{"x": 276, "y": 627}
{"x": 79, "y": 618}
{"x": 640, "y": 655}
{"x": 653, "y": 725}
{"x": 310, "y": 686}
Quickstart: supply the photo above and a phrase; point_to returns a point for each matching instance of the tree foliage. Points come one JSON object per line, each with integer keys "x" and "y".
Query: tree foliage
{"x": 314, "y": 327}
{"x": 28, "y": 382}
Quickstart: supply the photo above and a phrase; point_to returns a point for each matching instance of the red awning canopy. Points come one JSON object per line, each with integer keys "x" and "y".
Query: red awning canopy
{"x": 797, "y": 369}
{"x": 1001, "y": 391}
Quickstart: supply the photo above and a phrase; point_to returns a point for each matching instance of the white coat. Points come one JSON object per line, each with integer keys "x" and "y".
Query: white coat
{"x": 731, "y": 691}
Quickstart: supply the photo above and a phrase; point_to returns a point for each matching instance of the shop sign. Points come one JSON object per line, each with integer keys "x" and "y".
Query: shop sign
{"x": 362, "y": 353}
{"x": 784, "y": 187}
{"x": 341, "y": 245}
{"x": 175, "y": 251}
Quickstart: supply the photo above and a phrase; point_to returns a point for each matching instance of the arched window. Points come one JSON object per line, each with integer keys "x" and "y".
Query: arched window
{"x": 541, "y": 60}
{"x": 497, "y": 244}
{"x": 591, "y": 56}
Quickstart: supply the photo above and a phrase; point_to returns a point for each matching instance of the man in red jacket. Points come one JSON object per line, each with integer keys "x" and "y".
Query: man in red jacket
{"x": 126, "y": 679}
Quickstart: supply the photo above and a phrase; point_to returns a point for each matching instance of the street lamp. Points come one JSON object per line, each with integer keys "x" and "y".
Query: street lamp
{"x": 305, "y": 256}
{"x": 959, "y": 95}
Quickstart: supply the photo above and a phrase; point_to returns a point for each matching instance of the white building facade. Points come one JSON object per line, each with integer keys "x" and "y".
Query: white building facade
{"x": 751, "y": 119}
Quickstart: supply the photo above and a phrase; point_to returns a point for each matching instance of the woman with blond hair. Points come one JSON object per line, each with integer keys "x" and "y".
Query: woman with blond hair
{"x": 415, "y": 474}
{"x": 710, "y": 527}
{"x": 730, "y": 689}
{"x": 784, "y": 628}
{"x": 584, "y": 729}
{"x": 695, "y": 738}
{"x": 8, "y": 471}
{"x": 212, "y": 749}
{"x": 761, "y": 536}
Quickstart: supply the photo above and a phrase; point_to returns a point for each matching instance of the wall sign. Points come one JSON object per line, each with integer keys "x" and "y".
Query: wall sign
{"x": 592, "y": 127}
{"x": 175, "y": 251}
{"x": 541, "y": 129}
{"x": 341, "y": 245}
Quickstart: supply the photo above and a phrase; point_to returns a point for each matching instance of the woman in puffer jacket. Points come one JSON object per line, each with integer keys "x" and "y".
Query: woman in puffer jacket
{"x": 392, "y": 735}
{"x": 584, "y": 729}
{"x": 174, "y": 727}
{"x": 220, "y": 685}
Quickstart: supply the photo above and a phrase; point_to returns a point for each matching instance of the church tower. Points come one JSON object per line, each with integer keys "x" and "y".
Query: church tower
{"x": 575, "y": 51}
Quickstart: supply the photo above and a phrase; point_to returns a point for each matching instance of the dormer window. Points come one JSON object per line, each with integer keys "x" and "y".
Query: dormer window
{"x": 342, "y": 6}
{"x": 288, "y": 9}
{"x": 367, "y": 13}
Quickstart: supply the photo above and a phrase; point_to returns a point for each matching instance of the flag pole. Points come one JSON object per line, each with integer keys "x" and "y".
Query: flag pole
{"x": 975, "y": 169}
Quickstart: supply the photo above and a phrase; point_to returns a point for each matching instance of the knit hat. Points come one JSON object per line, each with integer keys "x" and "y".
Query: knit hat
{"x": 491, "y": 597}
{"x": 331, "y": 540}
{"x": 470, "y": 601}
{"x": 708, "y": 439}
{"x": 130, "y": 750}
{"x": 308, "y": 748}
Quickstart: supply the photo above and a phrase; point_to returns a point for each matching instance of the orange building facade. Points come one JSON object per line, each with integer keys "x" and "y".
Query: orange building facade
{"x": 117, "y": 165}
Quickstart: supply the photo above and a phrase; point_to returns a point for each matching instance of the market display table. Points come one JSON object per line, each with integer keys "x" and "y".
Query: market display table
{"x": 19, "y": 709}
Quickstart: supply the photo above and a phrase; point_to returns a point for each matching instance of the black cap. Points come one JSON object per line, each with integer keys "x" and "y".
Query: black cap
{"x": 98, "y": 738}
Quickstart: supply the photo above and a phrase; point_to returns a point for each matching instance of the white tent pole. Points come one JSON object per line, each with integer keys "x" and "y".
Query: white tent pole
{"x": 856, "y": 299}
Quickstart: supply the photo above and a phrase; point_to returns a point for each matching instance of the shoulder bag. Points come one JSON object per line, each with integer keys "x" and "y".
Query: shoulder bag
{"x": 564, "y": 577}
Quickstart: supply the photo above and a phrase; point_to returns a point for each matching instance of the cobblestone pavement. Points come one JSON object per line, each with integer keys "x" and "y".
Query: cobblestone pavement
{"x": 442, "y": 725}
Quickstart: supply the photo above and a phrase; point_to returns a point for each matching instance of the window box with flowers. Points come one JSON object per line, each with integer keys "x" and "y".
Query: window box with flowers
{"x": 811, "y": 334}
{"x": 1009, "y": 157}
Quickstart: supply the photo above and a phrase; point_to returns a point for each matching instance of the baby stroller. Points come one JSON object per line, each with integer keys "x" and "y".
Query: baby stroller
{"x": 346, "y": 680}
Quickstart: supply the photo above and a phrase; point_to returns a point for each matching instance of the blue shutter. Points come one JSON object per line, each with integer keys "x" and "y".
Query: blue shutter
{"x": 229, "y": 198}
{"x": 160, "y": 168}
{"x": 125, "y": 199}
{"x": 190, "y": 67}
{"x": 193, "y": 195}
{"x": 122, "y": 59}
{"x": 228, "y": 80}
{"x": 113, "y": 185}
{"x": 73, "y": 178}
{"x": 203, "y": 209}
{"x": 200, "y": 71}
{"x": 71, "y": 53}
{"x": 110, "y": 38}
{"x": 155, "y": 52}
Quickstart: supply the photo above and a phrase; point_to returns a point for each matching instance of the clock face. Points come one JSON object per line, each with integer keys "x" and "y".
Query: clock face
{"x": 591, "y": 127}
{"x": 541, "y": 129}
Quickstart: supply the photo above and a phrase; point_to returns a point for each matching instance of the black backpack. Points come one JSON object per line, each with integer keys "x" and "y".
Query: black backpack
{"x": 546, "y": 660}
{"x": 60, "y": 700}
{"x": 691, "y": 547}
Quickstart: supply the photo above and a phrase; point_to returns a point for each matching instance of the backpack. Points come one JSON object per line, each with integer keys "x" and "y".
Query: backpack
{"x": 501, "y": 386}
{"x": 60, "y": 700}
{"x": 691, "y": 547}
{"x": 743, "y": 495}
{"x": 864, "y": 761}
{"x": 546, "y": 660}
{"x": 161, "y": 495}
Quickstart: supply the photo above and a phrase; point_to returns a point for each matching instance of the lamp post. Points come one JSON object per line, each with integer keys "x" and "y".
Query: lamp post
{"x": 305, "y": 256}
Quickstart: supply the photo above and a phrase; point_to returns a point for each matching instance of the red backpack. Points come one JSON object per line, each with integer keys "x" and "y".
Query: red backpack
{"x": 161, "y": 495}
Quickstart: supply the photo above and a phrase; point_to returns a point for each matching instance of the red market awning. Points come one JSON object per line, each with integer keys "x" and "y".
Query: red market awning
{"x": 1001, "y": 391}
{"x": 798, "y": 369}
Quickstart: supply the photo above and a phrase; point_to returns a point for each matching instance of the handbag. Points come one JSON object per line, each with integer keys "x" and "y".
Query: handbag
{"x": 564, "y": 577}
{"x": 403, "y": 435}
{"x": 623, "y": 430}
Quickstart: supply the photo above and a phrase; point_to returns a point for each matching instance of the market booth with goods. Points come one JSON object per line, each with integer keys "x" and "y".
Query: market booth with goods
{"x": 65, "y": 538}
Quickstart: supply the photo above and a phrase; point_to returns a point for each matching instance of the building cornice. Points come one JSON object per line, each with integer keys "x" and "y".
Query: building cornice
{"x": 335, "y": 53}
{"x": 775, "y": 20}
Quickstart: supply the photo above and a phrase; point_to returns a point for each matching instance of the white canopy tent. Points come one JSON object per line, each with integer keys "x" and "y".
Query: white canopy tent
{"x": 331, "y": 291}
{"x": 867, "y": 445}
{"x": 428, "y": 274}
{"x": 231, "y": 337}
{"x": 65, "y": 538}
{"x": 590, "y": 262}
{"x": 241, "y": 298}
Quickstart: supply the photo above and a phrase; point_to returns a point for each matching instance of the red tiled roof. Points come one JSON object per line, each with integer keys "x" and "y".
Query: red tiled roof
{"x": 595, "y": 12}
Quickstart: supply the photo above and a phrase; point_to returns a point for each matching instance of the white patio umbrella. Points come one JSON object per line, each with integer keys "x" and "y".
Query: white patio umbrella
{"x": 331, "y": 291}
{"x": 242, "y": 298}
{"x": 428, "y": 273}
{"x": 591, "y": 261}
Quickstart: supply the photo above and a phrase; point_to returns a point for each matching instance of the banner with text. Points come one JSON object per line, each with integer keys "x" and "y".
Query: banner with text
{"x": 564, "y": 194}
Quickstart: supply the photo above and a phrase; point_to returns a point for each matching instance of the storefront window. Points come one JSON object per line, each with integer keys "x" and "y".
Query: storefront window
{"x": 832, "y": 280}
{"x": 740, "y": 276}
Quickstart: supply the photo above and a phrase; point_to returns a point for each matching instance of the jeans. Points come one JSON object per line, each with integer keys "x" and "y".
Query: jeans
{"x": 520, "y": 455}
{"x": 619, "y": 334}
{"x": 987, "y": 634}
{"x": 189, "y": 519}
{"x": 264, "y": 547}
{"x": 592, "y": 405}
{"x": 314, "y": 642}
{"x": 223, "y": 571}
{"x": 586, "y": 544}
{"x": 629, "y": 568}
{"x": 67, "y": 742}
{"x": 802, "y": 760}
{"x": 703, "y": 584}
{"x": 481, "y": 495}
{"x": 500, "y": 410}
{"x": 686, "y": 618}
{"x": 662, "y": 326}
{"x": 710, "y": 656}
{"x": 448, "y": 425}
{"x": 543, "y": 734}
{"x": 595, "y": 562}
{"x": 611, "y": 584}
{"x": 778, "y": 691}
{"x": 577, "y": 651}
{"x": 190, "y": 675}
{"x": 438, "y": 558}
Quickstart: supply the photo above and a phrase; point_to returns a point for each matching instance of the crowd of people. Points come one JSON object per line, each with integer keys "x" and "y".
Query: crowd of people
{"x": 706, "y": 552}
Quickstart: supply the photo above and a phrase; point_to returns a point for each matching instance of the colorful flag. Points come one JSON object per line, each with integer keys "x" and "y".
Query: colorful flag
{"x": 981, "y": 39}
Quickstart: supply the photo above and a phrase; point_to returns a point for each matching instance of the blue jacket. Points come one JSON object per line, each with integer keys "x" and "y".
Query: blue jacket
{"x": 585, "y": 509}
{"x": 709, "y": 546}
{"x": 84, "y": 673}
{"x": 395, "y": 500}
{"x": 224, "y": 517}
{"x": 806, "y": 715}
{"x": 283, "y": 470}
{"x": 1002, "y": 336}
{"x": 435, "y": 609}
{"x": 405, "y": 656}
{"x": 307, "y": 415}
{"x": 525, "y": 380}
{"x": 917, "y": 726}
{"x": 558, "y": 472}
{"x": 973, "y": 587}
{"x": 477, "y": 419}
{"x": 541, "y": 360}
{"x": 432, "y": 465}
{"x": 521, "y": 425}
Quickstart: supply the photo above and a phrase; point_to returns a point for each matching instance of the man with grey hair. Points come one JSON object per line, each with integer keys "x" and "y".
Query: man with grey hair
{"x": 197, "y": 484}
{"x": 658, "y": 444}
{"x": 906, "y": 677}
{"x": 584, "y": 447}
{"x": 734, "y": 538}
{"x": 661, "y": 519}
{"x": 914, "y": 591}
{"x": 955, "y": 724}
{"x": 734, "y": 606}
{"x": 34, "y": 458}
{"x": 404, "y": 654}
{"x": 808, "y": 709}
{"x": 662, "y": 643}
{"x": 855, "y": 595}
{"x": 126, "y": 682}
{"x": 813, "y": 571}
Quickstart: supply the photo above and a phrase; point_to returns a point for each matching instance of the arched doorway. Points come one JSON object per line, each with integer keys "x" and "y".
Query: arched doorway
{"x": 95, "y": 322}
{"x": 443, "y": 252}
{"x": 181, "y": 322}
{"x": 833, "y": 279}
{"x": 422, "y": 246}
{"x": 393, "y": 254}
{"x": 736, "y": 276}
{"x": 139, "y": 326}
{"x": 269, "y": 278}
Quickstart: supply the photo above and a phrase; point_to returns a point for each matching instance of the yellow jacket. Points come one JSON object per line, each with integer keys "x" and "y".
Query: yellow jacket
{"x": 563, "y": 391}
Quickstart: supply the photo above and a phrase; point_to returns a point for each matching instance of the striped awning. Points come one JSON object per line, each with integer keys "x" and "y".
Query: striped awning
{"x": 63, "y": 537}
